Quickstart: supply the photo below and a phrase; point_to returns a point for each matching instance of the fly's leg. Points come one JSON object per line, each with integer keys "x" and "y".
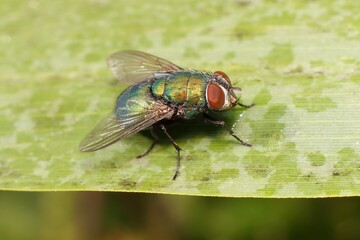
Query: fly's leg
{"x": 246, "y": 106}
{"x": 177, "y": 149}
{"x": 156, "y": 139}
{"x": 223, "y": 124}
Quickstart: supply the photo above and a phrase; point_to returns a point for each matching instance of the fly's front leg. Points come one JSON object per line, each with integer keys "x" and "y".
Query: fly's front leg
{"x": 177, "y": 149}
{"x": 223, "y": 124}
{"x": 246, "y": 106}
{"x": 156, "y": 139}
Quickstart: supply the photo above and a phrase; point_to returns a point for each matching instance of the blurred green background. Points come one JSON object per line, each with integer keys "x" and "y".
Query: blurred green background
{"x": 97, "y": 215}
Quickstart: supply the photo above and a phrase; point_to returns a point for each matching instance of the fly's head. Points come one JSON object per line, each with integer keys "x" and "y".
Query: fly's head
{"x": 220, "y": 94}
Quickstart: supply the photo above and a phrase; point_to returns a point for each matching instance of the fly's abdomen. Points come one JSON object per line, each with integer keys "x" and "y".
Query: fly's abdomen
{"x": 135, "y": 99}
{"x": 187, "y": 88}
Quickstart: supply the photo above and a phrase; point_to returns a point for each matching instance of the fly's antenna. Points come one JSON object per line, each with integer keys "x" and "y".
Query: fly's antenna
{"x": 237, "y": 89}
{"x": 235, "y": 83}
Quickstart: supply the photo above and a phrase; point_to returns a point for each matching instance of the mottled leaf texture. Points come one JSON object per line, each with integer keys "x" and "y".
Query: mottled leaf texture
{"x": 299, "y": 61}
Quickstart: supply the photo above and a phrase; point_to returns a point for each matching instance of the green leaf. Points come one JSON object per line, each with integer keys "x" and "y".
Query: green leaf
{"x": 298, "y": 61}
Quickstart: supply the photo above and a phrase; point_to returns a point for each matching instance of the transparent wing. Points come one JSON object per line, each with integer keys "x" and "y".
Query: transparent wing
{"x": 113, "y": 128}
{"x": 132, "y": 66}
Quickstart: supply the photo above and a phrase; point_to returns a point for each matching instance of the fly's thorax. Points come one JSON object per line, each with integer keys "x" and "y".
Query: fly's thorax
{"x": 220, "y": 94}
{"x": 185, "y": 88}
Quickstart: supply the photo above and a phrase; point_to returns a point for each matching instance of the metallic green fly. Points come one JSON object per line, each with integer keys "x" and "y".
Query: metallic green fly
{"x": 162, "y": 92}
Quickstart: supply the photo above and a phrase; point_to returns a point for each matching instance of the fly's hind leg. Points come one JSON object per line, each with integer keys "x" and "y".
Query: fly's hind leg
{"x": 156, "y": 139}
{"x": 223, "y": 124}
{"x": 177, "y": 149}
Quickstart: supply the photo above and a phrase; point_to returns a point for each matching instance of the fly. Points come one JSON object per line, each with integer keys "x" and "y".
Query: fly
{"x": 161, "y": 92}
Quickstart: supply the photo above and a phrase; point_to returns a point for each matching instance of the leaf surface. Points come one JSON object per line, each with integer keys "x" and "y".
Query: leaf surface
{"x": 298, "y": 61}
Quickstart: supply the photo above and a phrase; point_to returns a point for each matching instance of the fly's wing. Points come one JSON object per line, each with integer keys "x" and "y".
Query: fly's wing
{"x": 113, "y": 128}
{"x": 132, "y": 66}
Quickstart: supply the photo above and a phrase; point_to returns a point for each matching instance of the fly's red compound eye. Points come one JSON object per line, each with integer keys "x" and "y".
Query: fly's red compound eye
{"x": 215, "y": 96}
{"x": 223, "y": 75}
